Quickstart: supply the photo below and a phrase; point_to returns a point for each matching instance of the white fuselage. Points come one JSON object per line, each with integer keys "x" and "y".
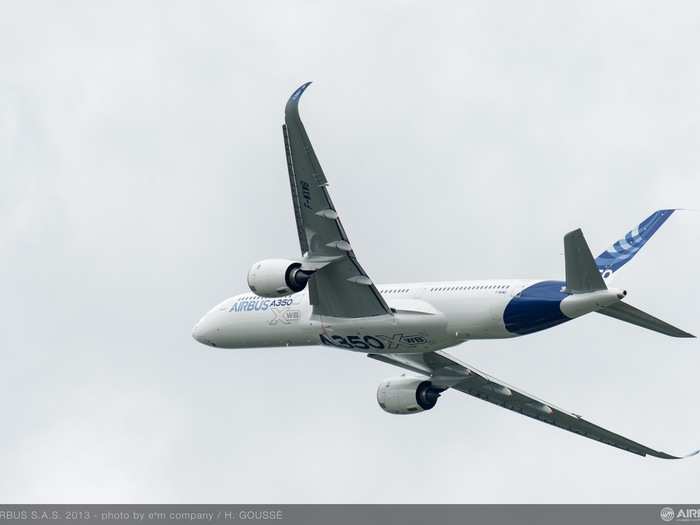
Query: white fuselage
{"x": 426, "y": 316}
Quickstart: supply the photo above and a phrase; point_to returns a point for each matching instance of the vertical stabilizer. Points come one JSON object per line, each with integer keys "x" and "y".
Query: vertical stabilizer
{"x": 622, "y": 251}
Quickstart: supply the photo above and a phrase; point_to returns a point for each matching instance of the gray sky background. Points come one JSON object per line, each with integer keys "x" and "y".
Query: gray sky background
{"x": 142, "y": 173}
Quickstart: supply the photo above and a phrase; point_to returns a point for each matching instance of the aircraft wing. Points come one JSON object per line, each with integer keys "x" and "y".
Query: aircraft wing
{"x": 446, "y": 372}
{"x": 340, "y": 288}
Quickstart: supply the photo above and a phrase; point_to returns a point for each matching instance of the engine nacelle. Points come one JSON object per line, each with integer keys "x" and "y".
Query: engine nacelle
{"x": 407, "y": 395}
{"x": 277, "y": 278}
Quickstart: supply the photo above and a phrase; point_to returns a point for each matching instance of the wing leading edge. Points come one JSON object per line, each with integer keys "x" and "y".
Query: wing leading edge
{"x": 445, "y": 371}
{"x": 341, "y": 288}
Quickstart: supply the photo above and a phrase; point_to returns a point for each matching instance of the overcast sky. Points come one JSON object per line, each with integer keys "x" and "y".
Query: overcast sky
{"x": 142, "y": 172}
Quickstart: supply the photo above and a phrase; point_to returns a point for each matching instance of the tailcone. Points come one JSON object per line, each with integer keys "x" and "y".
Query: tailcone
{"x": 576, "y": 305}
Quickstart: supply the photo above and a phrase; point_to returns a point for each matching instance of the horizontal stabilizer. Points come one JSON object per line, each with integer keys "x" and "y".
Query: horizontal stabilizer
{"x": 582, "y": 274}
{"x": 632, "y": 315}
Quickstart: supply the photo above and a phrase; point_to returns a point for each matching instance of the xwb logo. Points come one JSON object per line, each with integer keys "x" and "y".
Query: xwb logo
{"x": 667, "y": 514}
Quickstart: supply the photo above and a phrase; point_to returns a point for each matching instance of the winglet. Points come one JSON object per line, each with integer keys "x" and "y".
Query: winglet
{"x": 663, "y": 455}
{"x": 293, "y": 102}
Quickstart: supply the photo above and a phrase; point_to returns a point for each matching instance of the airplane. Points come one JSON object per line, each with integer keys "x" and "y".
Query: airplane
{"x": 325, "y": 297}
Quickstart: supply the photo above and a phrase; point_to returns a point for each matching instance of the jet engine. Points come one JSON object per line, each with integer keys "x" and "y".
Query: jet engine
{"x": 407, "y": 395}
{"x": 277, "y": 278}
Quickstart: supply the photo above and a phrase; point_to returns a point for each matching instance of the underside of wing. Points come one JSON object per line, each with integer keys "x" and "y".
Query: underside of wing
{"x": 341, "y": 287}
{"x": 446, "y": 372}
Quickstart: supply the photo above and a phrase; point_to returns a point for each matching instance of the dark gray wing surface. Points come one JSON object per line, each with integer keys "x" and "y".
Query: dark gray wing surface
{"x": 341, "y": 288}
{"x": 445, "y": 371}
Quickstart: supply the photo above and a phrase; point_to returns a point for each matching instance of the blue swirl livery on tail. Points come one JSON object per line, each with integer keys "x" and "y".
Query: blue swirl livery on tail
{"x": 623, "y": 250}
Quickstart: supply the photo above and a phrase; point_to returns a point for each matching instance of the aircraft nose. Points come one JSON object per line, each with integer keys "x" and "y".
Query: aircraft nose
{"x": 201, "y": 334}
{"x": 197, "y": 332}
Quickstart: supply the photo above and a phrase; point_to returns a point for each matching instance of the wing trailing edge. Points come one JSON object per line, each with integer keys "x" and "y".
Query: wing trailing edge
{"x": 447, "y": 372}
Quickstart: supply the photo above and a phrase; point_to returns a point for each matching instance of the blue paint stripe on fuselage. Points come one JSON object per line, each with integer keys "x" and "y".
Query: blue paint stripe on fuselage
{"x": 535, "y": 308}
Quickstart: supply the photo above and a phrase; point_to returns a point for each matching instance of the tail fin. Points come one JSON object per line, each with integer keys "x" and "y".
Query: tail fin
{"x": 632, "y": 315}
{"x": 623, "y": 250}
{"x": 582, "y": 274}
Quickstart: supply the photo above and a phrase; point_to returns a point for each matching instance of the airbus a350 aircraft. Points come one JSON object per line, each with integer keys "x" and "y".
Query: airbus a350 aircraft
{"x": 325, "y": 297}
